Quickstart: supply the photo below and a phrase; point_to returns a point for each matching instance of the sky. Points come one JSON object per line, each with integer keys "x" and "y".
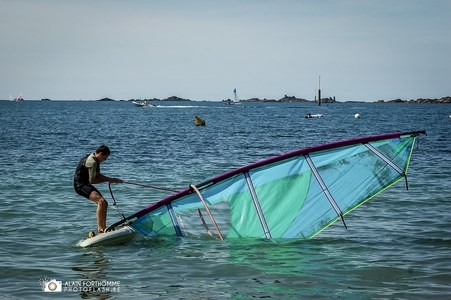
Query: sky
{"x": 363, "y": 50}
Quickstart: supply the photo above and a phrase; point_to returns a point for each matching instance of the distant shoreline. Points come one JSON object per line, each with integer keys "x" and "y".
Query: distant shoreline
{"x": 285, "y": 99}
{"x": 295, "y": 99}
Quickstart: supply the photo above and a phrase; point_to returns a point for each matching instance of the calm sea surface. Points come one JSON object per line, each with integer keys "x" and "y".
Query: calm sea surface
{"x": 397, "y": 246}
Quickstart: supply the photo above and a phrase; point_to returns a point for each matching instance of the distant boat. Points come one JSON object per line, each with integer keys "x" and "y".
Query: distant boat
{"x": 236, "y": 100}
{"x": 142, "y": 103}
{"x": 235, "y": 97}
{"x": 309, "y": 116}
{"x": 17, "y": 98}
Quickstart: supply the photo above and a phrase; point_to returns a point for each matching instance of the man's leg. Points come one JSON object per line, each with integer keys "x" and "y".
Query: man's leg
{"x": 102, "y": 207}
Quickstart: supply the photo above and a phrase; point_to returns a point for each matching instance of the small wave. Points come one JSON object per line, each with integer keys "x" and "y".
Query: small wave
{"x": 180, "y": 106}
{"x": 445, "y": 242}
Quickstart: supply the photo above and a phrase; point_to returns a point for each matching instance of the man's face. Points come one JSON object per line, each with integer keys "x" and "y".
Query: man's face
{"x": 102, "y": 157}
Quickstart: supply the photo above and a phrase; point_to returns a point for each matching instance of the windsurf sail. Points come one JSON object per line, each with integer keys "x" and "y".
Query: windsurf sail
{"x": 294, "y": 195}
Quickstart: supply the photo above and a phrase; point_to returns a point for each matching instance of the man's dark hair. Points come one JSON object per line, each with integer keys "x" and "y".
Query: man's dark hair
{"x": 103, "y": 149}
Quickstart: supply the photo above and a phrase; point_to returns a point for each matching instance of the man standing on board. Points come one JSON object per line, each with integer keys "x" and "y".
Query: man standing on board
{"x": 87, "y": 174}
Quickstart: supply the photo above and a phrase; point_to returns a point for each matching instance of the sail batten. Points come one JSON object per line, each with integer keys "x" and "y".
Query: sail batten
{"x": 294, "y": 195}
{"x": 257, "y": 206}
{"x": 325, "y": 189}
{"x": 174, "y": 220}
{"x": 385, "y": 159}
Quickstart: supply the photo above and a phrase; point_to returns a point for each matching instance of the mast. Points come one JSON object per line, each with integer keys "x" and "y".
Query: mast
{"x": 319, "y": 91}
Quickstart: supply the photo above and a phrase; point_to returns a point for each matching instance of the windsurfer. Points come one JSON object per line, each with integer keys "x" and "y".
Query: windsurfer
{"x": 87, "y": 174}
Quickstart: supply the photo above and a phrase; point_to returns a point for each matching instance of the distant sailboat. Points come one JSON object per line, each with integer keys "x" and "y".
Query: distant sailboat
{"x": 18, "y": 97}
{"x": 236, "y": 100}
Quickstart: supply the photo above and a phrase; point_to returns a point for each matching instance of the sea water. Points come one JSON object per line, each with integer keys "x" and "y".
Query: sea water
{"x": 396, "y": 246}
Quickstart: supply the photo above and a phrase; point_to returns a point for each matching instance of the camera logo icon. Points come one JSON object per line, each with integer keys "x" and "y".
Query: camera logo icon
{"x": 53, "y": 286}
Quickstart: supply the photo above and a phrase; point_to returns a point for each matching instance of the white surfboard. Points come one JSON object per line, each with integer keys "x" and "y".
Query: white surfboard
{"x": 116, "y": 237}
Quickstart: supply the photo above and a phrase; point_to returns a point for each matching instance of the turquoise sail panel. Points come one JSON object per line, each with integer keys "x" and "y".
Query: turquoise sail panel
{"x": 352, "y": 175}
{"x": 296, "y": 195}
{"x": 282, "y": 196}
{"x": 156, "y": 223}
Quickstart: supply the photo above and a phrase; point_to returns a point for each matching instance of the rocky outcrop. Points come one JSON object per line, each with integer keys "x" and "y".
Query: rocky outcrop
{"x": 287, "y": 98}
{"x": 419, "y": 100}
{"x": 292, "y": 99}
{"x": 175, "y": 98}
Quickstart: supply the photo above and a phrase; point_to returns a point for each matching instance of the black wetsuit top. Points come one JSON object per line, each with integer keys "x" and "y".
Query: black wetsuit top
{"x": 81, "y": 176}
